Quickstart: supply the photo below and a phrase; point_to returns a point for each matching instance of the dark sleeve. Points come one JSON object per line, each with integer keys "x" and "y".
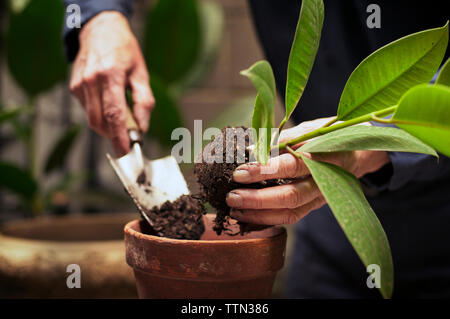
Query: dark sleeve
{"x": 407, "y": 167}
{"x": 90, "y": 8}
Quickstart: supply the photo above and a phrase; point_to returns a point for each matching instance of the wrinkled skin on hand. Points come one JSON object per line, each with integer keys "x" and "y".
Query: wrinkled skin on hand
{"x": 287, "y": 204}
{"x": 109, "y": 61}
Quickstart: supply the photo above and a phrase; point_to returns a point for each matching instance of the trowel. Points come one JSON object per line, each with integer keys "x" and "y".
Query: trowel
{"x": 149, "y": 183}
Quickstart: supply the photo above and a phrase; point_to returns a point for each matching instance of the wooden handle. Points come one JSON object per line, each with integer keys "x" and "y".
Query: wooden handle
{"x": 130, "y": 121}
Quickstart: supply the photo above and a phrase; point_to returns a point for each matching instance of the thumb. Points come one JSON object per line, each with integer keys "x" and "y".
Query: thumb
{"x": 143, "y": 100}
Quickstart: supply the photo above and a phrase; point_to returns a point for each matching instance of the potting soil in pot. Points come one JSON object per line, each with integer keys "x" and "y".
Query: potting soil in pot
{"x": 181, "y": 219}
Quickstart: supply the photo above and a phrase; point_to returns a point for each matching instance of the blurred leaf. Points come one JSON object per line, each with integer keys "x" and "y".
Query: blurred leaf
{"x": 165, "y": 117}
{"x": 303, "y": 52}
{"x": 384, "y": 76}
{"x": 34, "y": 46}
{"x": 239, "y": 113}
{"x": 17, "y": 6}
{"x": 61, "y": 149}
{"x": 17, "y": 180}
{"x": 172, "y": 39}
{"x": 21, "y": 130}
{"x": 7, "y": 115}
{"x": 362, "y": 137}
{"x": 211, "y": 26}
{"x": 424, "y": 111}
{"x": 64, "y": 185}
{"x": 261, "y": 75}
{"x": 343, "y": 194}
{"x": 444, "y": 74}
{"x": 68, "y": 180}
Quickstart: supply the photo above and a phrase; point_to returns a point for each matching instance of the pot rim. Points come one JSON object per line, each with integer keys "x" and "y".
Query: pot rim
{"x": 280, "y": 232}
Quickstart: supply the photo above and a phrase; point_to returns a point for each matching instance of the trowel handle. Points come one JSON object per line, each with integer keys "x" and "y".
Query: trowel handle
{"x": 133, "y": 129}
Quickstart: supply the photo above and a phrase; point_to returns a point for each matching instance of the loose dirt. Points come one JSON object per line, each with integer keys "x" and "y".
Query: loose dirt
{"x": 181, "y": 219}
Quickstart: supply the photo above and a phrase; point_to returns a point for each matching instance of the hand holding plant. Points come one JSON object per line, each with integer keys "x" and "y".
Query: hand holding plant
{"x": 392, "y": 81}
{"x": 287, "y": 204}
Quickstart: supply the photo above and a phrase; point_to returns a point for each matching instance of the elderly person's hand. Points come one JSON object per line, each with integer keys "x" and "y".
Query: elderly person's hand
{"x": 287, "y": 204}
{"x": 109, "y": 61}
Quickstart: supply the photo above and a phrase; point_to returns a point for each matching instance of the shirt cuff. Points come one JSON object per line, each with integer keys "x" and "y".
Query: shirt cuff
{"x": 89, "y": 9}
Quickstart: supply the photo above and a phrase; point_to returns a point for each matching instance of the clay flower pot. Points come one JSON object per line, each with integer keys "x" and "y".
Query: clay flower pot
{"x": 212, "y": 267}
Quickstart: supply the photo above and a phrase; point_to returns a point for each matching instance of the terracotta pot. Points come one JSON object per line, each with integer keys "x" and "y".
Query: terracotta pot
{"x": 35, "y": 253}
{"x": 213, "y": 267}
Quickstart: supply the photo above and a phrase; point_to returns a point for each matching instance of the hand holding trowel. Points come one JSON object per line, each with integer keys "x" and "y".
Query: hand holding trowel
{"x": 149, "y": 183}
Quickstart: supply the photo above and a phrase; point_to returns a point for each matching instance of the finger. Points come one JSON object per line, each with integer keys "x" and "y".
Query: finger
{"x": 277, "y": 216}
{"x": 92, "y": 95}
{"x": 76, "y": 81}
{"x": 301, "y": 129}
{"x": 114, "y": 111}
{"x": 283, "y": 166}
{"x": 143, "y": 100}
{"x": 284, "y": 196}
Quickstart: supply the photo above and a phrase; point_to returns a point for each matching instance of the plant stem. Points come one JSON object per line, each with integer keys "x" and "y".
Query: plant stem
{"x": 381, "y": 120}
{"x": 290, "y": 150}
{"x": 31, "y": 142}
{"x": 328, "y": 129}
{"x": 334, "y": 120}
{"x": 280, "y": 127}
{"x": 32, "y": 156}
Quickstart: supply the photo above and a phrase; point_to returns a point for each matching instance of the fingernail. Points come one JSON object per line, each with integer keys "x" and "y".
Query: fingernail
{"x": 241, "y": 175}
{"x": 236, "y": 214}
{"x": 234, "y": 200}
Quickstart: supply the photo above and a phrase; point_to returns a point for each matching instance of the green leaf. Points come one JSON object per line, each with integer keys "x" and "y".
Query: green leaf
{"x": 21, "y": 130}
{"x": 238, "y": 113}
{"x": 361, "y": 137}
{"x": 262, "y": 122}
{"x": 172, "y": 39}
{"x": 61, "y": 149}
{"x": 165, "y": 117}
{"x": 261, "y": 75}
{"x": 385, "y": 75}
{"x": 444, "y": 74}
{"x": 34, "y": 46}
{"x": 18, "y": 5}
{"x": 303, "y": 52}
{"x": 343, "y": 194}
{"x": 17, "y": 180}
{"x": 212, "y": 26}
{"x": 7, "y": 115}
{"x": 424, "y": 111}
{"x": 67, "y": 181}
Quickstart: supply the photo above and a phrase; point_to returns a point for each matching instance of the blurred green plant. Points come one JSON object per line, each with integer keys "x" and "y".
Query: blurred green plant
{"x": 181, "y": 40}
{"x": 35, "y": 59}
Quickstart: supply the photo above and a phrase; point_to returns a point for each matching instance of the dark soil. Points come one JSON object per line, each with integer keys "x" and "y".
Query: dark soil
{"x": 217, "y": 178}
{"x": 181, "y": 219}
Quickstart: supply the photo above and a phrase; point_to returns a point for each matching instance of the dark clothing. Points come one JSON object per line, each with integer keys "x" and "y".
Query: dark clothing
{"x": 88, "y": 9}
{"x": 411, "y": 196}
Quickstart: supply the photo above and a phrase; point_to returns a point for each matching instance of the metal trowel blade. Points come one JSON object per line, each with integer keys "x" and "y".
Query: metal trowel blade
{"x": 149, "y": 183}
